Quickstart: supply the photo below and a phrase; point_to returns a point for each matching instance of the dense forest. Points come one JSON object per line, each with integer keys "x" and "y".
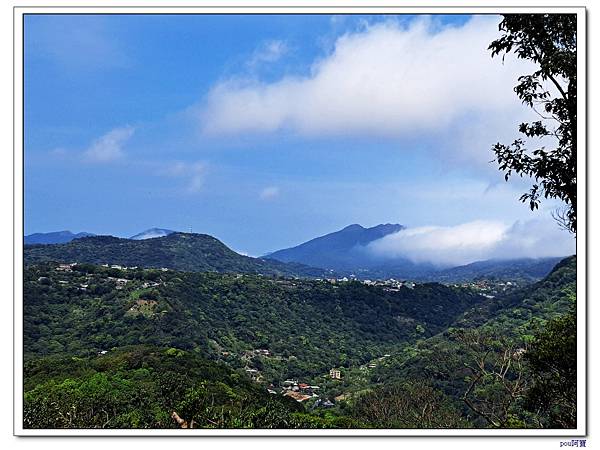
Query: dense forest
{"x": 495, "y": 358}
{"x": 308, "y": 326}
{"x": 147, "y": 387}
{"x": 425, "y": 356}
{"x": 178, "y": 251}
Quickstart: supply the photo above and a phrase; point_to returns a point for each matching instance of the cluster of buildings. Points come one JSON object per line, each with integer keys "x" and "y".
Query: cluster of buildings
{"x": 120, "y": 283}
{"x": 388, "y": 285}
{"x": 489, "y": 288}
{"x": 373, "y": 364}
{"x": 298, "y": 391}
{"x": 68, "y": 267}
{"x": 391, "y": 285}
{"x": 249, "y": 354}
{"x": 65, "y": 267}
{"x": 302, "y": 392}
{"x": 119, "y": 267}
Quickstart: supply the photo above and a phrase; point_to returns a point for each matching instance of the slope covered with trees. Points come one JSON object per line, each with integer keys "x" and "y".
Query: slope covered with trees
{"x": 149, "y": 387}
{"x": 309, "y": 326}
{"x": 504, "y": 360}
{"x": 179, "y": 251}
{"x": 430, "y": 357}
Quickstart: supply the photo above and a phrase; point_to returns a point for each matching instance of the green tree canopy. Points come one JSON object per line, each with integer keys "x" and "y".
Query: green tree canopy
{"x": 553, "y": 359}
{"x": 549, "y": 41}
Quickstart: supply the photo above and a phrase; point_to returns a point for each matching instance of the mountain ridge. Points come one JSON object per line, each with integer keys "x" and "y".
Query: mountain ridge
{"x": 178, "y": 251}
{"x": 341, "y": 253}
{"x": 54, "y": 237}
{"x": 345, "y": 251}
{"x": 347, "y": 242}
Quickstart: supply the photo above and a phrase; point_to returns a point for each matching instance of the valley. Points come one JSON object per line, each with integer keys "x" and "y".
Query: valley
{"x": 359, "y": 218}
{"x": 320, "y": 350}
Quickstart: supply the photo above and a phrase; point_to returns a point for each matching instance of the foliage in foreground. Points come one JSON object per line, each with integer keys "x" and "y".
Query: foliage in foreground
{"x": 506, "y": 363}
{"x": 147, "y": 387}
{"x": 408, "y": 404}
{"x": 550, "y": 42}
{"x": 553, "y": 358}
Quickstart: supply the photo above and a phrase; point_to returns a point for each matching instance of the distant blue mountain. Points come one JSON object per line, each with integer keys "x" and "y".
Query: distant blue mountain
{"x": 152, "y": 233}
{"x": 340, "y": 251}
{"x": 530, "y": 269}
{"x": 55, "y": 237}
{"x": 344, "y": 252}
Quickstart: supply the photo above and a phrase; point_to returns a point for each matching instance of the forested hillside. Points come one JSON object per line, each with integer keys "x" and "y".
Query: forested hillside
{"x": 424, "y": 356}
{"x": 484, "y": 357}
{"x": 179, "y": 251}
{"x": 309, "y": 326}
{"x": 148, "y": 387}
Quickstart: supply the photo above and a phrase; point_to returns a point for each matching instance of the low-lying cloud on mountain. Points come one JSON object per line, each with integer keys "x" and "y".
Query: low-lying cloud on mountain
{"x": 475, "y": 241}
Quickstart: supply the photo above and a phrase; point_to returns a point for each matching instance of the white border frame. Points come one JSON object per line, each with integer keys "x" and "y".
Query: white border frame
{"x": 230, "y": 8}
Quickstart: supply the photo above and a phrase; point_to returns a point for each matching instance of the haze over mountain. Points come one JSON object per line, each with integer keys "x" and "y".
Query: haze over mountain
{"x": 152, "y": 233}
{"x": 54, "y": 237}
{"x": 529, "y": 269}
{"x": 62, "y": 237}
{"x": 342, "y": 250}
{"x": 342, "y": 253}
{"x": 348, "y": 251}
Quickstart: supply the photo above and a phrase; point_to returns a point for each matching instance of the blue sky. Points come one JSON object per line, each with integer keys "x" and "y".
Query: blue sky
{"x": 266, "y": 131}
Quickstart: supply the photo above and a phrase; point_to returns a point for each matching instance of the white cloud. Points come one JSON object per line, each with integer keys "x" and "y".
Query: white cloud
{"x": 192, "y": 173}
{"x": 109, "y": 147}
{"x": 269, "y": 193}
{"x": 475, "y": 241}
{"x": 268, "y": 52}
{"x": 388, "y": 80}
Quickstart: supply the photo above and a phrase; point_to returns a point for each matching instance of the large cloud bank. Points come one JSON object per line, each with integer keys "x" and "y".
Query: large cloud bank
{"x": 476, "y": 241}
{"x": 389, "y": 80}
